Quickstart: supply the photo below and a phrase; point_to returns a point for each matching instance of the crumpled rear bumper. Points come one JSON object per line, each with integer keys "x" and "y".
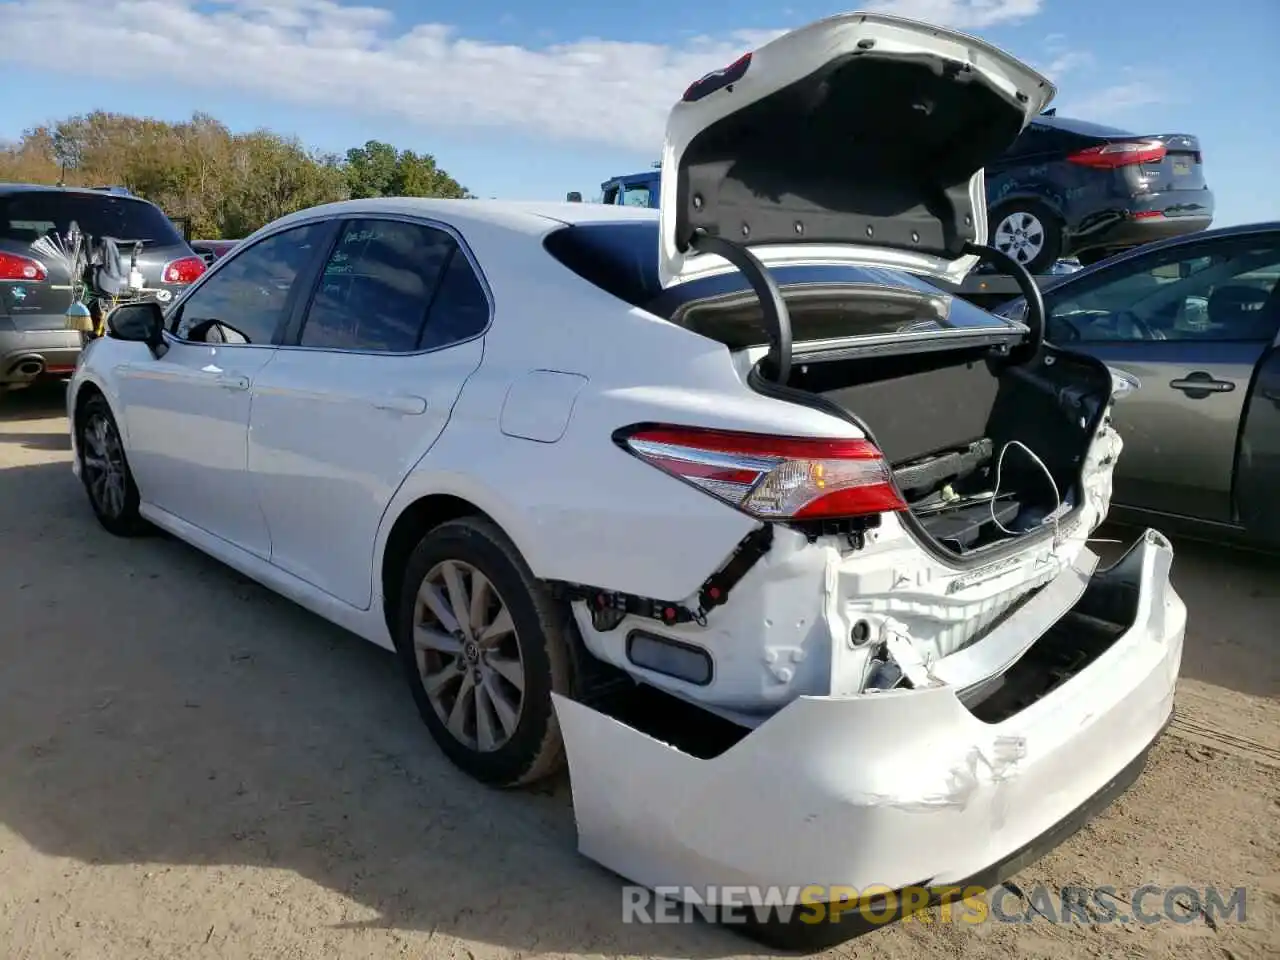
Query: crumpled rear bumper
{"x": 888, "y": 789}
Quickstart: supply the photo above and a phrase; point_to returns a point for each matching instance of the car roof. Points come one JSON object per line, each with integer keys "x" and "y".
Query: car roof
{"x": 1170, "y": 243}
{"x": 16, "y": 188}
{"x": 1075, "y": 125}
{"x": 532, "y": 217}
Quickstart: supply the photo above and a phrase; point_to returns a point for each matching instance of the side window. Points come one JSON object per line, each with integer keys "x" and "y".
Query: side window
{"x": 377, "y": 286}
{"x": 635, "y": 196}
{"x": 245, "y": 301}
{"x": 1226, "y": 294}
{"x": 460, "y": 309}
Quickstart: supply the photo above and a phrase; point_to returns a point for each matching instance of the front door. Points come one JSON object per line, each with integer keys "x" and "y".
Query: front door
{"x": 360, "y": 392}
{"x": 187, "y": 412}
{"x": 1192, "y": 324}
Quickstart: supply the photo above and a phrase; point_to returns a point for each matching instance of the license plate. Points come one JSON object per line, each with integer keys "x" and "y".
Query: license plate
{"x": 1181, "y": 167}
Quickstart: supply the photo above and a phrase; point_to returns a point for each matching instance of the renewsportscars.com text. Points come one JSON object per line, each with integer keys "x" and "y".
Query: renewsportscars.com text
{"x": 973, "y": 905}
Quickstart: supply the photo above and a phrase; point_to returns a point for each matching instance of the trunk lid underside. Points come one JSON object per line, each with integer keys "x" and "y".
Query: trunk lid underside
{"x": 860, "y": 139}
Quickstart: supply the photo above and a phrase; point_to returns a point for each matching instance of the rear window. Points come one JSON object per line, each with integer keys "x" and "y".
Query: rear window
{"x": 825, "y": 302}
{"x": 25, "y": 217}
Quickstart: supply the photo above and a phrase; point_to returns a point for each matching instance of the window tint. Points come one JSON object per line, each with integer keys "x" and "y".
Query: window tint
{"x": 635, "y": 196}
{"x": 460, "y": 309}
{"x": 377, "y": 286}
{"x": 245, "y": 300}
{"x": 1206, "y": 293}
{"x": 29, "y": 216}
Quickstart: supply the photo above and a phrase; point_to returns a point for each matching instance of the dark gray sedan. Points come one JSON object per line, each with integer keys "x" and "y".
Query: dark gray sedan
{"x": 1194, "y": 320}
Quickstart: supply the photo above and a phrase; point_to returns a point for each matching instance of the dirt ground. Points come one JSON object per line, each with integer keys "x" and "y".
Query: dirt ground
{"x": 191, "y": 767}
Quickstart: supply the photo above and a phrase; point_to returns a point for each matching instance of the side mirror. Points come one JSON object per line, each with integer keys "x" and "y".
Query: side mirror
{"x": 138, "y": 323}
{"x": 574, "y": 197}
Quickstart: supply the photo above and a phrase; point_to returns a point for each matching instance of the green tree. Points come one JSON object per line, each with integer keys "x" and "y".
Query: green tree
{"x": 225, "y": 184}
{"x": 378, "y": 170}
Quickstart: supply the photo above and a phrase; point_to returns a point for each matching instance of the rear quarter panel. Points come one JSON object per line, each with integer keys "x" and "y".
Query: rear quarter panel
{"x": 579, "y": 508}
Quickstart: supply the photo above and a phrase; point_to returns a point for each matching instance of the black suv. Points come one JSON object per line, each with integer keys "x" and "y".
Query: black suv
{"x": 1070, "y": 188}
{"x": 36, "y": 282}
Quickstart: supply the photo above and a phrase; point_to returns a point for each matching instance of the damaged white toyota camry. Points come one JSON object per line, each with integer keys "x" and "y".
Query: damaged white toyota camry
{"x": 781, "y": 547}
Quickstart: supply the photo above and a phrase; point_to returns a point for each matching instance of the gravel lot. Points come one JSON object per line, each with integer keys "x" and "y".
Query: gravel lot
{"x": 191, "y": 767}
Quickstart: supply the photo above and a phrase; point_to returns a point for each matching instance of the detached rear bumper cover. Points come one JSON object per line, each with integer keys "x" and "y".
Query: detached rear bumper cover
{"x": 892, "y": 788}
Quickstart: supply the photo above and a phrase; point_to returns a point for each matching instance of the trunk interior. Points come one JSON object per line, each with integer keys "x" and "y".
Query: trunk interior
{"x": 957, "y": 426}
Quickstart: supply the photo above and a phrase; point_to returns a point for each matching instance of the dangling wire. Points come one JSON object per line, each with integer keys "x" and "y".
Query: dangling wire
{"x": 1057, "y": 498}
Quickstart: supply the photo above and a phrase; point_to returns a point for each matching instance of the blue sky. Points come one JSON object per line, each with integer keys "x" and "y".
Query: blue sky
{"x": 530, "y": 100}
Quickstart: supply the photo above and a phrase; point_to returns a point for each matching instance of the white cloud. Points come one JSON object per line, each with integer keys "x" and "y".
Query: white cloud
{"x": 1117, "y": 100}
{"x": 356, "y": 60}
{"x": 961, "y": 14}
{"x": 1067, "y": 62}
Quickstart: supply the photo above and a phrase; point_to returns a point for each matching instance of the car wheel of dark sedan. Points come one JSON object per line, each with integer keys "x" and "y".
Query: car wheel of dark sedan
{"x": 1027, "y": 231}
{"x": 484, "y": 645}
{"x": 105, "y": 473}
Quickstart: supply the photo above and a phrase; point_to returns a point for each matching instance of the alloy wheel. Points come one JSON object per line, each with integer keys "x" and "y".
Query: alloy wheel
{"x": 468, "y": 655}
{"x": 102, "y": 459}
{"x": 1021, "y": 235}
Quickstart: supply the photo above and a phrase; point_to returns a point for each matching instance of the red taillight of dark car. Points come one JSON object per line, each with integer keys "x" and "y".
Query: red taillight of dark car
{"x": 769, "y": 477}
{"x": 14, "y": 267}
{"x": 185, "y": 270}
{"x": 1123, "y": 153}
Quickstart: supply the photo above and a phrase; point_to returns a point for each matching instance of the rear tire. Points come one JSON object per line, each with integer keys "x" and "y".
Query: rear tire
{"x": 482, "y": 671}
{"x": 104, "y": 471}
{"x": 1029, "y": 232}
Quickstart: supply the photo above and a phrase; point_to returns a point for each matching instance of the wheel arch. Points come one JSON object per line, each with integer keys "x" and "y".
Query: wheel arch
{"x": 1028, "y": 193}
{"x": 412, "y": 522}
{"x": 85, "y": 392}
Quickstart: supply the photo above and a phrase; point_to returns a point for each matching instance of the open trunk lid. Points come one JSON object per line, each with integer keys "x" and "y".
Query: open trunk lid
{"x": 859, "y": 139}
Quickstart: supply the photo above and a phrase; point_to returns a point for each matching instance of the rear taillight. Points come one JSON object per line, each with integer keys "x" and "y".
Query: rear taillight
{"x": 1109, "y": 156}
{"x": 772, "y": 478}
{"x": 14, "y": 267}
{"x": 186, "y": 270}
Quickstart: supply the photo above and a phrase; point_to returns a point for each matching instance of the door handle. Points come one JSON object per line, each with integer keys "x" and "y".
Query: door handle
{"x": 230, "y": 381}
{"x": 1198, "y": 385}
{"x": 402, "y": 403}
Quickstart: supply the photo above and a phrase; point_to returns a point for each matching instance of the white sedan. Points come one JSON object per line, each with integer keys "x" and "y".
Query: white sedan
{"x": 740, "y": 453}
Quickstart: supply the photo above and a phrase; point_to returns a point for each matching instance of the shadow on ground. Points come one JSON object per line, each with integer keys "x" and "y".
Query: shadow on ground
{"x": 158, "y": 708}
{"x": 30, "y": 403}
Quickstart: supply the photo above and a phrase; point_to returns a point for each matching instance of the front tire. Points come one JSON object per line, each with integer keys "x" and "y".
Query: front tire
{"x": 1029, "y": 232}
{"x": 104, "y": 471}
{"x": 483, "y": 645}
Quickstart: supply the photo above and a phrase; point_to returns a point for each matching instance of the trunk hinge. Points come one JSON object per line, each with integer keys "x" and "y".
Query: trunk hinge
{"x": 609, "y": 607}
{"x": 777, "y": 320}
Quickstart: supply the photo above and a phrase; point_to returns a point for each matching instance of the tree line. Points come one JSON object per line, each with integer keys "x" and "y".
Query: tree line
{"x": 225, "y": 184}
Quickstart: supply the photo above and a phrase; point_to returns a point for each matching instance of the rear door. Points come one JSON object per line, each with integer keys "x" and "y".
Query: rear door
{"x": 1192, "y": 324}
{"x": 362, "y": 388}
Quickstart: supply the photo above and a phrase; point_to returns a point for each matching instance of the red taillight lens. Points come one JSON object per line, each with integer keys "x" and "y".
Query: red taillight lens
{"x": 14, "y": 267}
{"x": 1109, "y": 156}
{"x": 186, "y": 270}
{"x": 773, "y": 478}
